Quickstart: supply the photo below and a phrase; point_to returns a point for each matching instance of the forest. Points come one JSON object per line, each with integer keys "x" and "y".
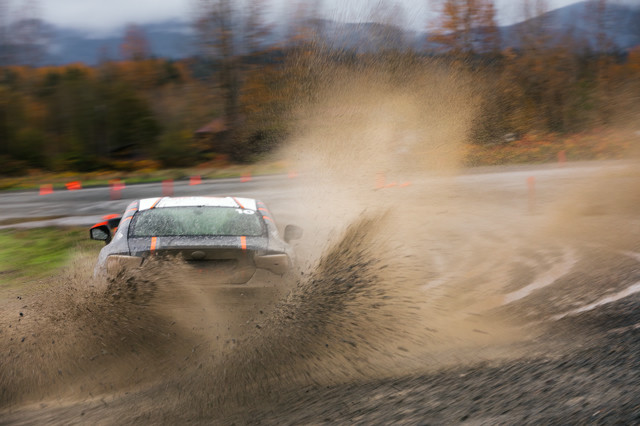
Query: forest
{"x": 234, "y": 102}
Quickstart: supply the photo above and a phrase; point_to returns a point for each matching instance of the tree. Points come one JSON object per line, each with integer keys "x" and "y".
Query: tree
{"x": 466, "y": 26}
{"x": 227, "y": 36}
{"x": 255, "y": 30}
{"x": 598, "y": 18}
{"x": 305, "y": 26}
{"x": 386, "y": 30}
{"x": 135, "y": 45}
{"x": 133, "y": 125}
{"x": 5, "y": 53}
{"x": 218, "y": 36}
{"x": 533, "y": 34}
{"x": 23, "y": 36}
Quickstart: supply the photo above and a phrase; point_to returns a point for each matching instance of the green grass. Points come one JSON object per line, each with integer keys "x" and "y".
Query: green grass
{"x": 30, "y": 254}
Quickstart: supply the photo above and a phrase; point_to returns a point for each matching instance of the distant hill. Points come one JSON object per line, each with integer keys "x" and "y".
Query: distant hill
{"x": 172, "y": 39}
{"x": 175, "y": 38}
{"x": 621, "y": 25}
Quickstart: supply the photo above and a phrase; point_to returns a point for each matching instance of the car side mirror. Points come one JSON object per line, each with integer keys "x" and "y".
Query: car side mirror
{"x": 292, "y": 232}
{"x": 101, "y": 233}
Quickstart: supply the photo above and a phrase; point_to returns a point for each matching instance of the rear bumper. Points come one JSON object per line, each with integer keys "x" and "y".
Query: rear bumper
{"x": 208, "y": 272}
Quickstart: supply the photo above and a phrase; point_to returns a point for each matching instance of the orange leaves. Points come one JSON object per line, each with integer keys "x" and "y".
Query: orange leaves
{"x": 598, "y": 144}
{"x": 135, "y": 45}
{"x": 633, "y": 61}
{"x": 182, "y": 71}
{"x": 466, "y": 26}
{"x": 142, "y": 73}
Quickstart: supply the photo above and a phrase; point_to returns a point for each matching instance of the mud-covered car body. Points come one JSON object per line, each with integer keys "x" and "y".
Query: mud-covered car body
{"x": 225, "y": 238}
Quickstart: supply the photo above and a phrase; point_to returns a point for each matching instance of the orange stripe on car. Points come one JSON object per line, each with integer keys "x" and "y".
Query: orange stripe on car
{"x": 262, "y": 209}
{"x": 153, "y": 243}
{"x": 154, "y": 204}
{"x": 268, "y": 218}
{"x": 243, "y": 242}
{"x": 238, "y": 202}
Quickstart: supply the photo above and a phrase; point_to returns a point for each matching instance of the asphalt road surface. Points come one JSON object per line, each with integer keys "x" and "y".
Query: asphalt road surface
{"x": 88, "y": 205}
{"x": 498, "y": 296}
{"x": 85, "y": 206}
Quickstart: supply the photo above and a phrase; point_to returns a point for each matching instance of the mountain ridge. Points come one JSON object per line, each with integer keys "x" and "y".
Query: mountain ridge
{"x": 176, "y": 39}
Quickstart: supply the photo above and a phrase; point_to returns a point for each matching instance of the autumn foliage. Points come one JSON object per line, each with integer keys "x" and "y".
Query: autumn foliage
{"x": 540, "y": 98}
{"x": 466, "y": 26}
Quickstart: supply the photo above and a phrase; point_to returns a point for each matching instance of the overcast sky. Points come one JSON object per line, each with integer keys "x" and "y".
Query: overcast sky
{"x": 108, "y": 14}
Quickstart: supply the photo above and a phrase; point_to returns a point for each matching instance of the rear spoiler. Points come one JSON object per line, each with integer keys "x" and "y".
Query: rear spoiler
{"x": 103, "y": 231}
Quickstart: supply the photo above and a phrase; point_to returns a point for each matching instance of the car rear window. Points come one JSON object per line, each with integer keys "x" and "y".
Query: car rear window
{"x": 195, "y": 221}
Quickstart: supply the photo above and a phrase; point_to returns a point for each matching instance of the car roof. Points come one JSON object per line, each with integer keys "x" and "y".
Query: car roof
{"x": 162, "y": 202}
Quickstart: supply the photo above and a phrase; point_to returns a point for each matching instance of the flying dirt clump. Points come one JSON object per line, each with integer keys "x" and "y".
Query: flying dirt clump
{"x": 343, "y": 321}
{"x": 79, "y": 336}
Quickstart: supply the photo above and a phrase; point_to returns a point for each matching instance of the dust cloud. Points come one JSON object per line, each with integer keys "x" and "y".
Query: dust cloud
{"x": 74, "y": 336}
{"x": 377, "y": 128}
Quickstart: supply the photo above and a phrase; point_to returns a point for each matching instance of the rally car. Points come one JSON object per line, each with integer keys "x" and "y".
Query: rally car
{"x": 226, "y": 238}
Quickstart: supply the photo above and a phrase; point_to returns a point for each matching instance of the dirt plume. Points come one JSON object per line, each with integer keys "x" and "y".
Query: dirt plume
{"x": 79, "y": 336}
{"x": 366, "y": 129}
{"x": 361, "y": 309}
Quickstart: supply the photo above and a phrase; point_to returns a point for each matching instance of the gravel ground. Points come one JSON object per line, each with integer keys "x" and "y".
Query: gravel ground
{"x": 591, "y": 377}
